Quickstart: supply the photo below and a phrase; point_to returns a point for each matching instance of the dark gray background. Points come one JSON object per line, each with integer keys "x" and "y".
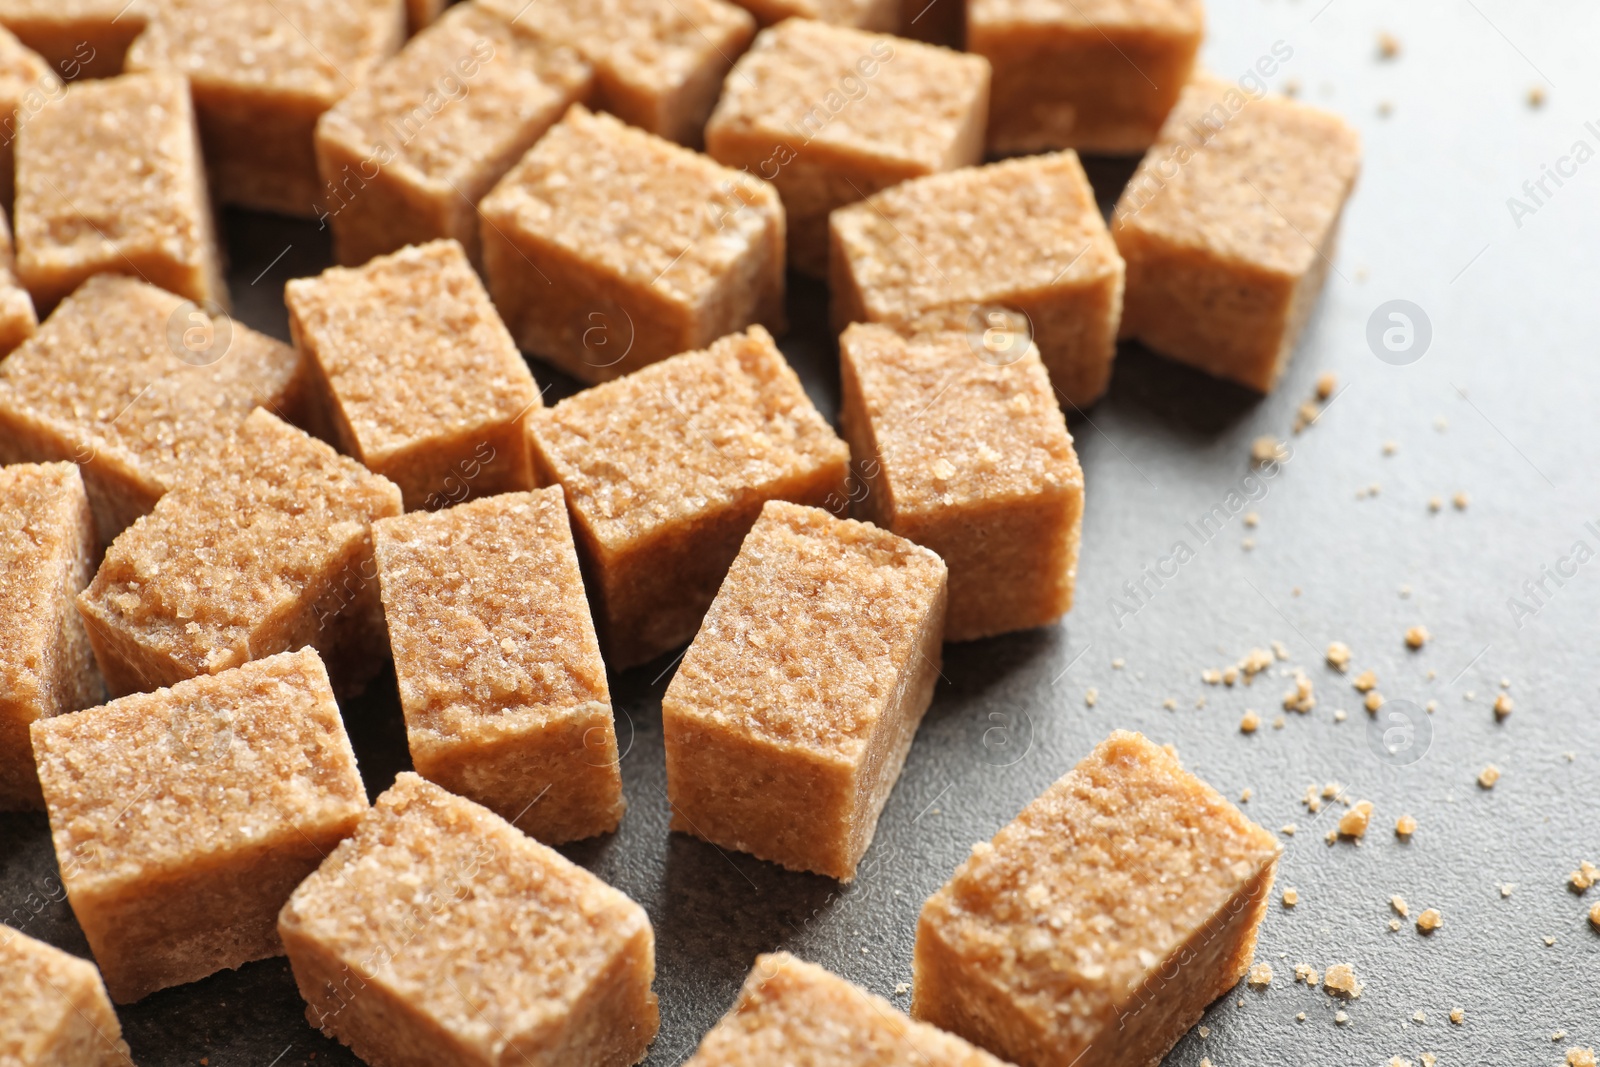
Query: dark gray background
{"x": 1510, "y": 371}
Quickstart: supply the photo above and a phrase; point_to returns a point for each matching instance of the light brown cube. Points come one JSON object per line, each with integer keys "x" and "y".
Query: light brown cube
{"x": 27, "y": 84}
{"x": 788, "y": 721}
{"x": 17, "y": 319}
{"x": 1095, "y": 75}
{"x": 880, "y": 15}
{"x": 438, "y": 934}
{"x": 136, "y": 385}
{"x": 980, "y": 245}
{"x": 407, "y": 156}
{"x": 658, "y": 64}
{"x": 666, "y": 470}
{"x": 264, "y": 548}
{"x": 47, "y": 555}
{"x": 193, "y": 812}
{"x": 109, "y": 180}
{"x": 500, "y": 675}
{"x": 53, "y": 1008}
{"x": 78, "y": 38}
{"x": 1229, "y": 227}
{"x": 262, "y": 74}
{"x": 799, "y": 1014}
{"x": 831, "y": 115}
{"x": 964, "y": 451}
{"x": 608, "y": 249}
{"x": 416, "y": 375}
{"x": 1099, "y": 924}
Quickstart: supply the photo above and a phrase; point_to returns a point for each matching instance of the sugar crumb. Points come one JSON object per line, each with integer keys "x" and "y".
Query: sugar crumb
{"x": 1291, "y": 897}
{"x": 1585, "y": 876}
{"x": 1458, "y": 1015}
{"x": 1416, "y": 637}
{"x": 1261, "y": 974}
{"x": 1398, "y": 903}
{"x": 1338, "y": 655}
{"x": 1488, "y": 776}
{"x": 1405, "y": 826}
{"x": 1502, "y": 706}
{"x": 1250, "y": 723}
{"x": 1341, "y": 981}
{"x": 1366, "y": 681}
{"x": 1429, "y": 921}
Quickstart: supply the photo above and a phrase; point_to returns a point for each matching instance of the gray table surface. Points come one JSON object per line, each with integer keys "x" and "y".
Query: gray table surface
{"x": 1499, "y": 406}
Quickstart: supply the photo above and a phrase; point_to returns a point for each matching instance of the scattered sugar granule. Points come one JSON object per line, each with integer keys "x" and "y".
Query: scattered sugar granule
{"x": 1244, "y": 797}
{"x": 1248, "y": 543}
{"x": 1312, "y": 800}
{"x": 1394, "y": 924}
{"x": 1505, "y": 683}
{"x": 1353, "y": 823}
{"x": 1398, "y": 903}
{"x": 1171, "y": 703}
{"x": 1339, "y": 715}
{"x": 1419, "y": 1017}
{"x": 1365, "y": 682}
{"x": 1304, "y": 972}
{"x": 1341, "y": 1017}
{"x": 1536, "y": 96}
{"x": 1333, "y": 789}
{"x": 1338, "y": 655}
{"x": 1327, "y": 383}
{"x": 1461, "y": 500}
{"x": 1205, "y": 1032}
{"x": 1405, "y": 592}
{"x": 1230, "y": 675}
{"x": 1558, "y": 1035}
{"x": 1580, "y": 1057}
{"x": 1300, "y": 1017}
{"x": 1280, "y": 650}
{"x": 1429, "y": 921}
{"x": 1341, "y": 981}
{"x": 1261, "y": 974}
{"x": 1507, "y": 889}
{"x": 1252, "y": 519}
{"x": 1429, "y": 1059}
{"x": 1250, "y": 723}
{"x": 901, "y": 988}
{"x": 1300, "y": 698}
{"x": 1288, "y": 829}
{"x": 1267, "y": 449}
{"x": 1279, "y": 723}
{"x": 1405, "y": 826}
{"x": 1594, "y": 916}
{"x": 1091, "y": 696}
{"x": 1391, "y": 447}
{"x": 1291, "y": 897}
{"x": 1211, "y": 676}
{"x": 1254, "y": 662}
{"x": 1400, "y": 1061}
{"x": 1118, "y": 663}
{"x": 1373, "y": 702}
{"x": 1436, "y": 503}
{"x": 1416, "y": 637}
{"x": 1332, "y": 837}
{"x": 1489, "y": 776}
{"x": 1503, "y": 706}
{"x": 1585, "y": 876}
{"x": 1205, "y": 1061}
{"x": 1458, "y": 1015}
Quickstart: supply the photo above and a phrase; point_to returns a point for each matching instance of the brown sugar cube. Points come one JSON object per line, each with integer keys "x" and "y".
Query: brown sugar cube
{"x": 27, "y": 84}
{"x": 499, "y": 669}
{"x": 974, "y": 247}
{"x": 666, "y": 470}
{"x": 265, "y": 548}
{"x": 422, "y": 13}
{"x": 790, "y": 716}
{"x": 408, "y": 154}
{"x": 262, "y": 74}
{"x": 109, "y": 180}
{"x": 53, "y": 1008}
{"x": 1099, "y": 77}
{"x": 439, "y": 934}
{"x": 812, "y": 1018}
{"x": 880, "y": 15}
{"x": 896, "y": 109}
{"x": 191, "y": 813}
{"x": 416, "y": 374}
{"x": 78, "y": 38}
{"x": 607, "y": 248}
{"x": 965, "y": 452}
{"x": 134, "y": 384}
{"x": 17, "y": 319}
{"x": 1056, "y": 942}
{"x": 47, "y": 556}
{"x": 658, "y": 64}
{"x": 1229, "y": 227}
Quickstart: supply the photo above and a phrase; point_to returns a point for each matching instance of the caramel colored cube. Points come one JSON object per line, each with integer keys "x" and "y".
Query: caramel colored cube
{"x": 658, "y": 64}
{"x": 407, "y": 156}
{"x": 263, "y": 549}
{"x": 47, "y": 555}
{"x": 27, "y": 84}
{"x": 416, "y": 374}
{"x": 135, "y": 385}
{"x": 191, "y": 813}
{"x": 799, "y": 1014}
{"x": 974, "y": 246}
{"x": 54, "y": 1009}
{"x": 1229, "y": 227}
{"x": 1057, "y": 942}
{"x": 500, "y": 675}
{"x": 263, "y": 72}
{"x": 109, "y": 180}
{"x": 17, "y": 319}
{"x": 880, "y": 15}
{"x": 607, "y": 248}
{"x": 438, "y": 934}
{"x": 790, "y": 716}
{"x": 965, "y": 451}
{"x": 893, "y": 109}
{"x": 1099, "y": 77}
{"x": 666, "y": 470}
{"x": 78, "y": 38}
